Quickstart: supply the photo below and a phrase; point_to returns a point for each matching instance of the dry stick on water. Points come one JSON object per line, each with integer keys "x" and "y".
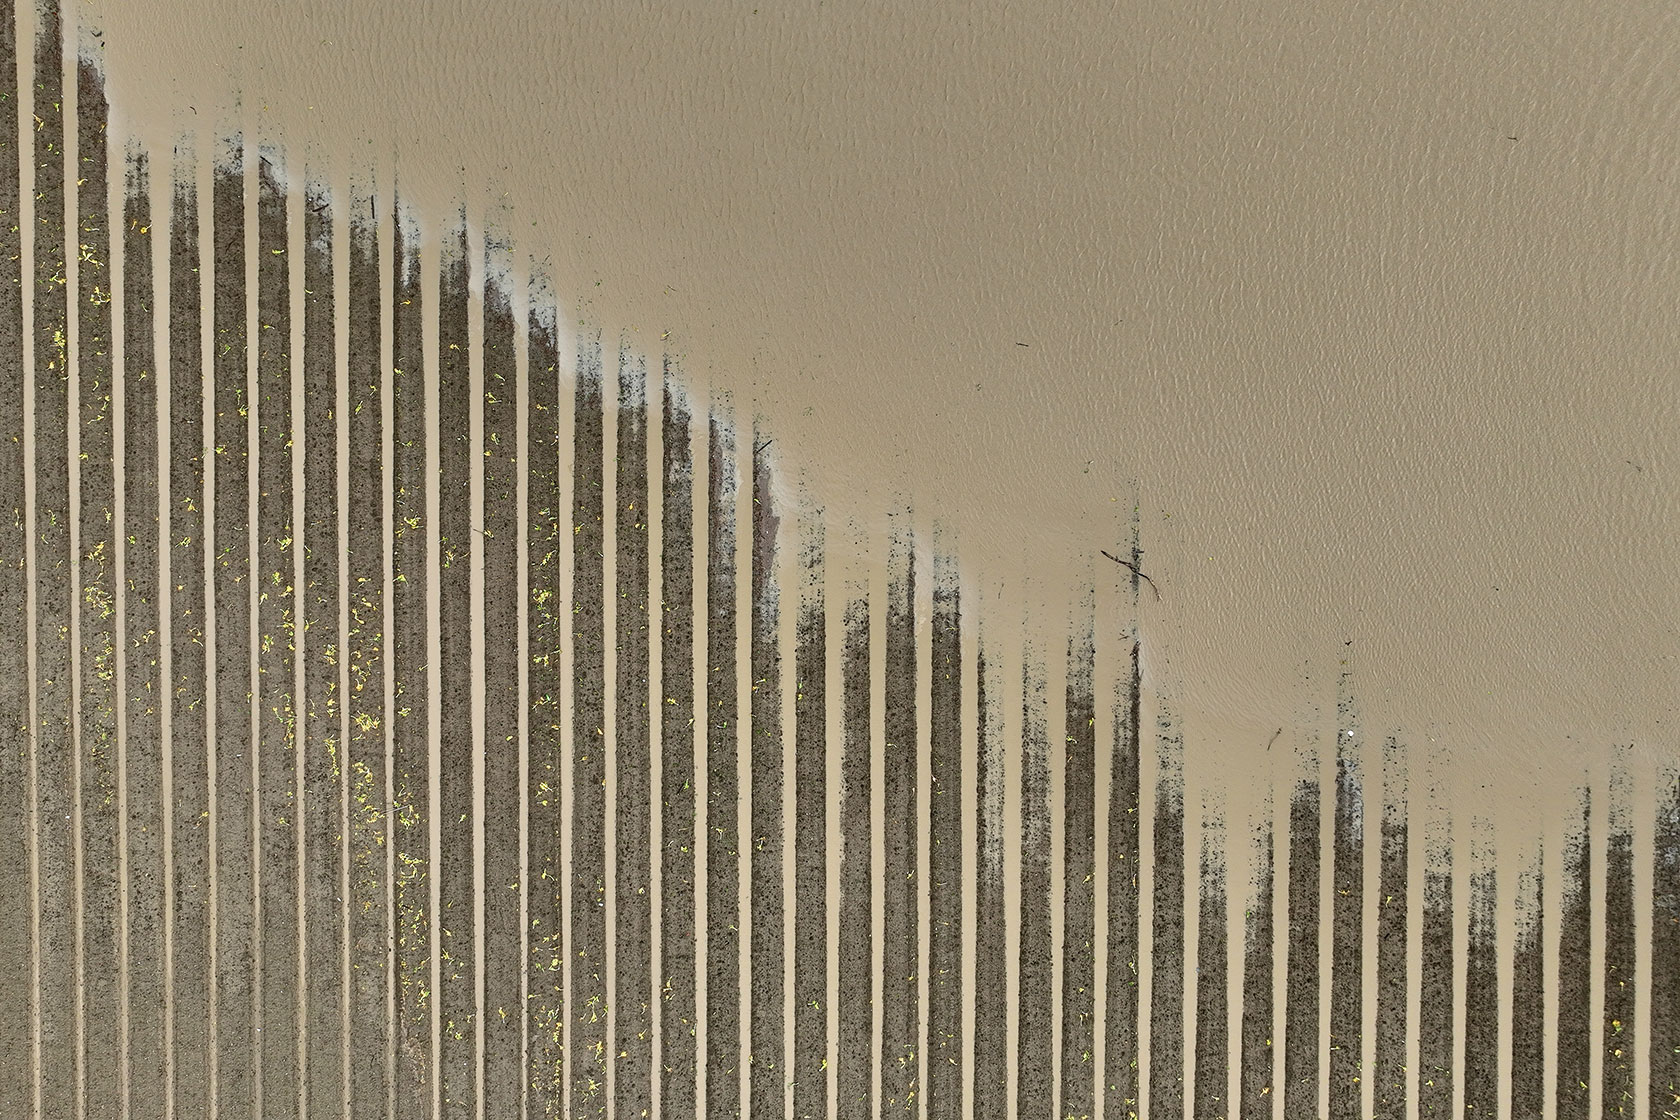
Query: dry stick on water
{"x": 1133, "y": 568}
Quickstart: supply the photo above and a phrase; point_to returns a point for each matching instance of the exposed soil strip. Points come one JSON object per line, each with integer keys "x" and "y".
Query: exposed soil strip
{"x": 1435, "y": 1008}
{"x": 502, "y": 888}
{"x": 588, "y": 1055}
{"x": 1665, "y": 958}
{"x": 1212, "y": 1005}
{"x": 944, "y": 1041}
{"x": 1300, "y": 1054}
{"x": 411, "y": 623}
{"x": 17, "y": 984}
{"x": 1528, "y": 1009}
{"x": 365, "y": 658}
{"x": 1481, "y": 999}
{"x": 723, "y": 888}
{"x": 1120, "y": 1021}
{"x": 457, "y": 821}
{"x": 144, "y": 694}
{"x": 1166, "y": 971}
{"x": 766, "y": 1076}
{"x": 322, "y": 746}
{"x": 1347, "y": 938}
{"x": 1035, "y": 1087}
{"x": 188, "y": 695}
{"x": 277, "y": 612}
{"x": 58, "y": 1043}
{"x": 232, "y": 583}
{"x": 991, "y": 1019}
{"x": 100, "y": 907}
{"x": 546, "y": 753}
{"x": 1620, "y": 975}
{"x": 1576, "y": 1033}
{"x": 633, "y": 929}
{"x": 810, "y": 854}
{"x": 1389, "y": 1097}
{"x": 680, "y": 822}
{"x": 900, "y": 1007}
{"x": 1079, "y": 808}
{"x": 1258, "y": 1053}
{"x": 855, "y": 1077}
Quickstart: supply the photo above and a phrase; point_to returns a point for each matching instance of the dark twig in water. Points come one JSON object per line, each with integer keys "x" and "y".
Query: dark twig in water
{"x": 1133, "y": 568}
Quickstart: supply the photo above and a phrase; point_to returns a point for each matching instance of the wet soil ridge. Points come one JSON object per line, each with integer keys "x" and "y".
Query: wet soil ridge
{"x": 414, "y": 703}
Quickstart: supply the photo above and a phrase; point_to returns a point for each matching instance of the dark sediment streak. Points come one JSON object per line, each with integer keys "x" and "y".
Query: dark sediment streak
{"x": 232, "y": 576}
{"x": 323, "y": 827}
{"x": 855, "y": 1046}
{"x": 633, "y": 963}
{"x": 1120, "y": 1025}
{"x": 100, "y": 906}
{"x": 944, "y": 1043}
{"x": 365, "y": 657}
{"x": 1166, "y": 970}
{"x": 1575, "y": 1033}
{"x": 546, "y": 754}
{"x": 1528, "y": 1011}
{"x": 143, "y": 688}
{"x": 765, "y": 1044}
{"x": 589, "y": 868}
{"x": 277, "y": 638}
{"x": 1481, "y": 999}
{"x": 900, "y": 990}
{"x": 1257, "y": 1050}
{"x": 502, "y": 888}
{"x": 1665, "y": 959}
{"x": 1435, "y": 1008}
{"x": 457, "y": 821}
{"x": 991, "y": 995}
{"x": 1620, "y": 977}
{"x": 1389, "y": 1091}
{"x": 1300, "y": 1040}
{"x": 54, "y": 596}
{"x": 188, "y": 695}
{"x": 1347, "y": 943}
{"x": 1212, "y": 1029}
{"x": 679, "y": 825}
{"x": 1035, "y": 1089}
{"x": 411, "y": 805}
{"x": 810, "y": 919}
{"x": 16, "y": 979}
{"x": 723, "y": 886}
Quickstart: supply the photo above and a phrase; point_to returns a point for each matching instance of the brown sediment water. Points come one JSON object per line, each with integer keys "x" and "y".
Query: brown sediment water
{"x": 826, "y": 764}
